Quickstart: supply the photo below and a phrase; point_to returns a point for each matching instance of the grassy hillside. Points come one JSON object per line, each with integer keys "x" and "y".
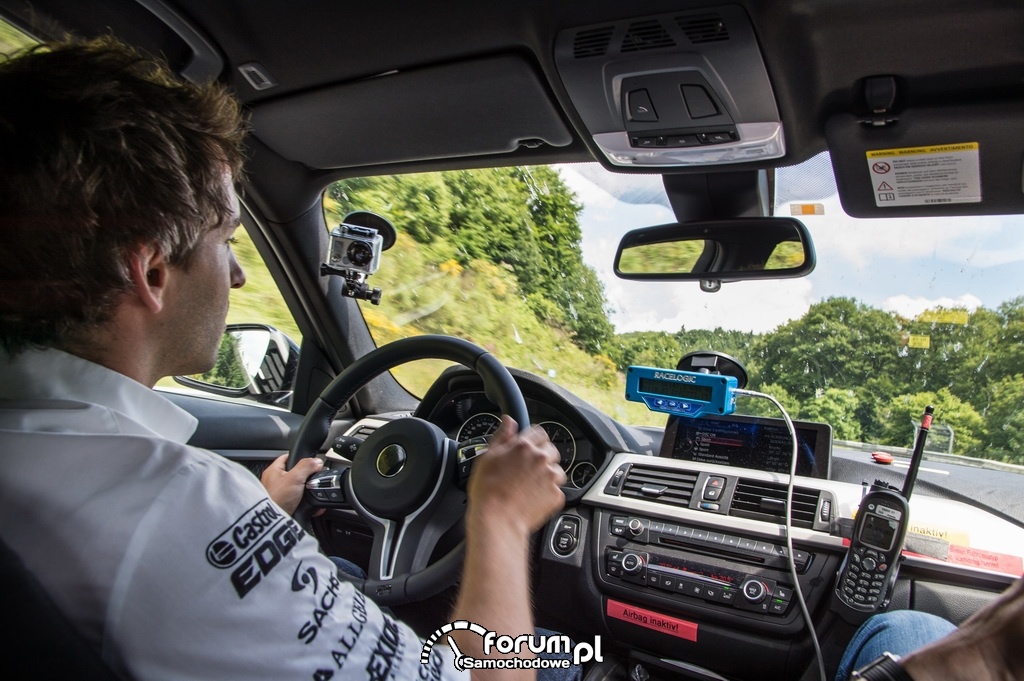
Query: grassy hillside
{"x": 427, "y": 292}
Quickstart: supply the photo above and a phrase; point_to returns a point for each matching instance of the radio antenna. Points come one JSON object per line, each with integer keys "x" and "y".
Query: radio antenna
{"x": 918, "y": 455}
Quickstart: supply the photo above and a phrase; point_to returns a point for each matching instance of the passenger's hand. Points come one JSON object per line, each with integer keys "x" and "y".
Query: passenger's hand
{"x": 286, "y": 487}
{"x": 516, "y": 482}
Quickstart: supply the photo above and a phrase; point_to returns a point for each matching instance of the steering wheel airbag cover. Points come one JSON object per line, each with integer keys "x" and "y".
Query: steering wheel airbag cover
{"x": 396, "y": 469}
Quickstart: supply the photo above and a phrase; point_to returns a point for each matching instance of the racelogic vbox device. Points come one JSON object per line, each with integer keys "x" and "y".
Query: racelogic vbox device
{"x": 681, "y": 393}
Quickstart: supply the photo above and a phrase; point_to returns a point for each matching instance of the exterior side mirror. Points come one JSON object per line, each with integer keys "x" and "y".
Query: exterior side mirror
{"x": 254, "y": 360}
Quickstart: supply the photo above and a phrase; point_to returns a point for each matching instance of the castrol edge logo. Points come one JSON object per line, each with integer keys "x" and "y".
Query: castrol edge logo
{"x": 234, "y": 543}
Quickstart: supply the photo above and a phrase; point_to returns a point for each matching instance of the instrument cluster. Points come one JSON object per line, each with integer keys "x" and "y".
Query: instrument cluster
{"x": 472, "y": 415}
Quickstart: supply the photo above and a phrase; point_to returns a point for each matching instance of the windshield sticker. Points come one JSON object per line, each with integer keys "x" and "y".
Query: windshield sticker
{"x": 942, "y": 316}
{"x": 920, "y": 176}
{"x": 919, "y": 342}
{"x": 797, "y": 209}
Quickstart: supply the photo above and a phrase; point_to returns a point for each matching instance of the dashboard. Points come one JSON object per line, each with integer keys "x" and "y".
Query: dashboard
{"x": 673, "y": 542}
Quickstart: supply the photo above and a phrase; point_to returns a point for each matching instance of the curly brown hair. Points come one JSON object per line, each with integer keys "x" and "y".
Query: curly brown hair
{"x": 103, "y": 149}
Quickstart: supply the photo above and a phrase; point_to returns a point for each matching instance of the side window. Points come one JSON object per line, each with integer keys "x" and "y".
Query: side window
{"x": 260, "y": 300}
{"x": 12, "y": 40}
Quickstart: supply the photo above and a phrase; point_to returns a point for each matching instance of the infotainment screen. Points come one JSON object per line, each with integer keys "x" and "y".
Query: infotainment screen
{"x": 757, "y": 443}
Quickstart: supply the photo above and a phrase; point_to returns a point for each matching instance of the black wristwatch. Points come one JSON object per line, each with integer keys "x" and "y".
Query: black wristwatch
{"x": 884, "y": 668}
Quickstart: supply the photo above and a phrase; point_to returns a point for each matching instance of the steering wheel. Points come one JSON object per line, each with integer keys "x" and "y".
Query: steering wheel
{"x": 403, "y": 478}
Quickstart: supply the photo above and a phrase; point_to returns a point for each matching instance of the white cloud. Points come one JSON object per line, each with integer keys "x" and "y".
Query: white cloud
{"x": 756, "y": 306}
{"x": 980, "y": 241}
{"x": 912, "y": 306}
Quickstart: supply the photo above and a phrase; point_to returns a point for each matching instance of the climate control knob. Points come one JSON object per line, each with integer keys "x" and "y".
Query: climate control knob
{"x": 754, "y": 591}
{"x": 632, "y": 563}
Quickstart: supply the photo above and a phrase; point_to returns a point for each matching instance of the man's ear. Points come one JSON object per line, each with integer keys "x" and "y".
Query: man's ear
{"x": 149, "y": 274}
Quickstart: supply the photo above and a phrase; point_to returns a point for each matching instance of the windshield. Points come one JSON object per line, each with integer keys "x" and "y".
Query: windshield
{"x": 898, "y": 314}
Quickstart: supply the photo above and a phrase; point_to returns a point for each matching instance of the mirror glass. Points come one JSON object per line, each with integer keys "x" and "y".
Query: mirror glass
{"x": 238, "y": 359}
{"x": 726, "y": 250}
{"x": 671, "y": 257}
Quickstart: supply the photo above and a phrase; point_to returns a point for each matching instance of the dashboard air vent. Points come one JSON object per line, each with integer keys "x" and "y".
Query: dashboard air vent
{"x": 593, "y": 42}
{"x": 646, "y": 35}
{"x": 664, "y": 486}
{"x": 703, "y": 28}
{"x": 767, "y": 501}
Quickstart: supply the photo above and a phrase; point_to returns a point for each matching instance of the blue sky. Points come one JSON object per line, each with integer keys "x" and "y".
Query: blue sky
{"x": 902, "y": 265}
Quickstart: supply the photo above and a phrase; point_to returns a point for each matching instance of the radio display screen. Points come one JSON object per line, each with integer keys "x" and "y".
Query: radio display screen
{"x": 686, "y": 391}
{"x": 756, "y": 443}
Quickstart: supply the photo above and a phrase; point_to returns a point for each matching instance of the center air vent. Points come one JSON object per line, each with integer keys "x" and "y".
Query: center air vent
{"x": 703, "y": 28}
{"x": 664, "y": 486}
{"x": 767, "y": 501}
{"x": 646, "y": 35}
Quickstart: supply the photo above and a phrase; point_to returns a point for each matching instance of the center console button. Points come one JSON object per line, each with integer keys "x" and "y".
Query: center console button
{"x": 754, "y": 591}
{"x": 632, "y": 563}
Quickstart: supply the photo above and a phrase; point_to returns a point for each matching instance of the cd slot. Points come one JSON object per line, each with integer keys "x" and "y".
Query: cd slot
{"x": 702, "y": 547}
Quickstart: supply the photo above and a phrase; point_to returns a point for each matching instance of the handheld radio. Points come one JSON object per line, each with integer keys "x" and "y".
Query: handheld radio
{"x": 868, "y": 573}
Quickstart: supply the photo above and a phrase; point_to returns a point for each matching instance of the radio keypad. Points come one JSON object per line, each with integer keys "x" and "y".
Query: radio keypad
{"x": 865, "y": 576}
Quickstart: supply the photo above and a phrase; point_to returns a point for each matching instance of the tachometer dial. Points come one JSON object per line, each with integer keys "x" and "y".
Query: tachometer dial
{"x": 563, "y": 441}
{"x": 479, "y": 425}
{"x": 582, "y": 473}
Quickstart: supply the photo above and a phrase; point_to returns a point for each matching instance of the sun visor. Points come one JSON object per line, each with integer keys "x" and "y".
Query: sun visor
{"x": 958, "y": 160}
{"x": 417, "y": 115}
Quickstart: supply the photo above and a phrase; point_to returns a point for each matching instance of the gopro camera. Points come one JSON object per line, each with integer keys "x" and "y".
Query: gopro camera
{"x": 354, "y": 252}
{"x": 355, "y": 249}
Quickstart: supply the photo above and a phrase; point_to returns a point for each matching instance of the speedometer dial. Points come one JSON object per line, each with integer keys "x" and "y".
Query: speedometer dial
{"x": 563, "y": 441}
{"x": 478, "y": 425}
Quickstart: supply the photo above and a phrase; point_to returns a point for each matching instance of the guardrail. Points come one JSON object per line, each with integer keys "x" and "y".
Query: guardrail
{"x": 942, "y": 457}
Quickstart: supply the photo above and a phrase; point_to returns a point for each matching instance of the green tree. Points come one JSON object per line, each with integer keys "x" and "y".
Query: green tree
{"x": 644, "y": 348}
{"x": 524, "y": 219}
{"x": 418, "y": 205}
{"x": 838, "y": 408}
{"x": 957, "y": 352}
{"x": 228, "y": 370}
{"x": 904, "y": 411}
{"x": 758, "y": 406}
{"x": 1000, "y": 352}
{"x": 1005, "y": 420}
{"x": 838, "y": 343}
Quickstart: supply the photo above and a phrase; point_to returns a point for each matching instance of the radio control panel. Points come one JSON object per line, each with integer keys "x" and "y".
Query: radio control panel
{"x": 702, "y": 570}
{"x": 714, "y": 585}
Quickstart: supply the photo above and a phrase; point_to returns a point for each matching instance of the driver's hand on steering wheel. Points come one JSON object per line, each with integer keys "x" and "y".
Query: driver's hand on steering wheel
{"x": 516, "y": 481}
{"x": 286, "y": 487}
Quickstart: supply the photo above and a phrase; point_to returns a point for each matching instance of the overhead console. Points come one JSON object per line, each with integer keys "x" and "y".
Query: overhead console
{"x": 681, "y": 89}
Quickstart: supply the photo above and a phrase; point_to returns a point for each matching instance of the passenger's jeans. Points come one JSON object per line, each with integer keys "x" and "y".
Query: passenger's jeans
{"x": 899, "y": 632}
{"x": 573, "y": 673}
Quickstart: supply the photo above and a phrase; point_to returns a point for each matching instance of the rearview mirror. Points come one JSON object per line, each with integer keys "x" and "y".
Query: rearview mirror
{"x": 716, "y": 251}
{"x": 254, "y": 360}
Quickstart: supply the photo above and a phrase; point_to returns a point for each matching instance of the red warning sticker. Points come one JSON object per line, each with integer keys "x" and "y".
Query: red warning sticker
{"x": 986, "y": 560}
{"x": 653, "y": 620}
